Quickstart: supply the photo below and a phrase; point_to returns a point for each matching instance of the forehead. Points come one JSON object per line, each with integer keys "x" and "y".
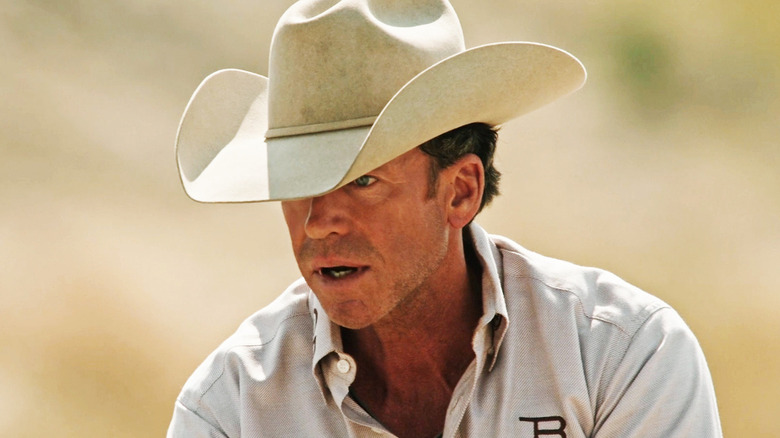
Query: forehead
{"x": 407, "y": 163}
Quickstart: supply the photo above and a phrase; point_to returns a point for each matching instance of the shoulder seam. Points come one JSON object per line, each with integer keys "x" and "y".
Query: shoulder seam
{"x": 640, "y": 316}
{"x": 579, "y": 304}
{"x": 195, "y": 413}
{"x": 225, "y": 353}
{"x": 633, "y": 335}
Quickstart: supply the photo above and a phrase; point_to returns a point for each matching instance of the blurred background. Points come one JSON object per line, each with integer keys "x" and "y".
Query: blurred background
{"x": 115, "y": 286}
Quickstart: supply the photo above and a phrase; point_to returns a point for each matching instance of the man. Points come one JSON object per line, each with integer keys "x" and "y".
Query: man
{"x": 376, "y": 130}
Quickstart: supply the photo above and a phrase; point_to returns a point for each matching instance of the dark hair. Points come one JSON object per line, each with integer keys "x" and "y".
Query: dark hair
{"x": 475, "y": 138}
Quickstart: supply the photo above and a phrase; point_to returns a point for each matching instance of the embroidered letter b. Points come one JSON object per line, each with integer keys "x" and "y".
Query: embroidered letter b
{"x": 547, "y": 426}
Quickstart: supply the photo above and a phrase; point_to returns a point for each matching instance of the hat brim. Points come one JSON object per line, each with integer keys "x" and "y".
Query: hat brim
{"x": 224, "y": 157}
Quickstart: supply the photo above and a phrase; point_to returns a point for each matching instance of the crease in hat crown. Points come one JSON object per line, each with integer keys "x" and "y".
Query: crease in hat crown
{"x": 335, "y": 64}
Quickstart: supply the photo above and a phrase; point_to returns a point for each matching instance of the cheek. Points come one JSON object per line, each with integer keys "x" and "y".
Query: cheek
{"x": 420, "y": 235}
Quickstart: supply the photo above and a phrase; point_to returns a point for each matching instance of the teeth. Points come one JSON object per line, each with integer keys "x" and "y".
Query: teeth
{"x": 339, "y": 274}
{"x": 338, "y": 271}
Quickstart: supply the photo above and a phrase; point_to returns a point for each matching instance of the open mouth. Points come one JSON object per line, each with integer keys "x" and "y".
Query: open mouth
{"x": 338, "y": 272}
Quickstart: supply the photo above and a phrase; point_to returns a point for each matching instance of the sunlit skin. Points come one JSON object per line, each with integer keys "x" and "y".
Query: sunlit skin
{"x": 387, "y": 262}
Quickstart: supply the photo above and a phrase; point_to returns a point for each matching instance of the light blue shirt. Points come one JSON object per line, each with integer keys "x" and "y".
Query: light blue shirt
{"x": 561, "y": 350}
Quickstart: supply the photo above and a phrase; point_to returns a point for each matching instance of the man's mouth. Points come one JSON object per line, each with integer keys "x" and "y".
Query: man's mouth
{"x": 338, "y": 272}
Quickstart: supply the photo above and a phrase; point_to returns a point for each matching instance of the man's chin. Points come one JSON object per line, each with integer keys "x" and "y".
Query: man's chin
{"x": 352, "y": 314}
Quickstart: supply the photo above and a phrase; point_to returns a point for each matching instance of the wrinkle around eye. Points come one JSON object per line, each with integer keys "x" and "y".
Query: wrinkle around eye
{"x": 376, "y": 190}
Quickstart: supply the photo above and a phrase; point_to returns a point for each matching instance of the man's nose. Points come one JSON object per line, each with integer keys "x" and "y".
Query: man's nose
{"x": 326, "y": 216}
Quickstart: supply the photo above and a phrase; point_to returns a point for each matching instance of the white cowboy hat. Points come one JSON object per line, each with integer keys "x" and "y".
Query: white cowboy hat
{"x": 353, "y": 84}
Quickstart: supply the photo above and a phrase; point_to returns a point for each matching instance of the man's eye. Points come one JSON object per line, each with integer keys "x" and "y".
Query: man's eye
{"x": 364, "y": 181}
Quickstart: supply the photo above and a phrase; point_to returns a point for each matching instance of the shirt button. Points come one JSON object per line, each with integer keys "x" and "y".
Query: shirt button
{"x": 343, "y": 366}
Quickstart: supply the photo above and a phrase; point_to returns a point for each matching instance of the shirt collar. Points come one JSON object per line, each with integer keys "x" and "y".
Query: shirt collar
{"x": 326, "y": 339}
{"x": 327, "y": 335}
{"x": 495, "y": 318}
{"x": 491, "y": 327}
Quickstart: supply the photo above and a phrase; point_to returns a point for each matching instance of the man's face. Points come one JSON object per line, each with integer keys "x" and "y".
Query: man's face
{"x": 369, "y": 247}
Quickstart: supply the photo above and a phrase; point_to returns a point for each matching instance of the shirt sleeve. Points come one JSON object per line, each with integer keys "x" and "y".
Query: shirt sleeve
{"x": 662, "y": 387}
{"x": 188, "y": 424}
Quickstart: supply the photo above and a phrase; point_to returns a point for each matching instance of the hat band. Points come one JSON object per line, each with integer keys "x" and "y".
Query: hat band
{"x": 319, "y": 127}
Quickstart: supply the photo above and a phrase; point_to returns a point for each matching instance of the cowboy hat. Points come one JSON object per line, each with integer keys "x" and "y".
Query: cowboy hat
{"x": 353, "y": 84}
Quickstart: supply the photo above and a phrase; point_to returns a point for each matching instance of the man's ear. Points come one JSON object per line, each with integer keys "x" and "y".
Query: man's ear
{"x": 467, "y": 181}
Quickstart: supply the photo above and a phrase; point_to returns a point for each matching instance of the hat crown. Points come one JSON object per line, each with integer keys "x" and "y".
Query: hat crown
{"x": 336, "y": 64}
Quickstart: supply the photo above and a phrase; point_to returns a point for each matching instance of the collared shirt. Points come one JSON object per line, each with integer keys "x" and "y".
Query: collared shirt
{"x": 560, "y": 350}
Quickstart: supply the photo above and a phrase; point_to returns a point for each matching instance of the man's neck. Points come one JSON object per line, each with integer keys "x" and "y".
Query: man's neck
{"x": 427, "y": 344}
{"x": 414, "y": 358}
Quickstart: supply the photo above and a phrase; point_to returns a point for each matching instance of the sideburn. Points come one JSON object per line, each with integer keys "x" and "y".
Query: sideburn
{"x": 433, "y": 177}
